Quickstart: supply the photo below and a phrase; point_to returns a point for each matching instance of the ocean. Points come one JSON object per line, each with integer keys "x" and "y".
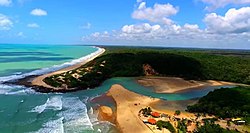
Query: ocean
{"x": 22, "y": 110}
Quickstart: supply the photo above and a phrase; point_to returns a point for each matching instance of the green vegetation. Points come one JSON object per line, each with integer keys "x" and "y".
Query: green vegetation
{"x": 211, "y": 127}
{"x": 247, "y": 119}
{"x": 129, "y": 62}
{"x": 225, "y": 103}
{"x": 165, "y": 124}
{"x": 210, "y": 120}
{"x": 228, "y": 123}
{"x": 182, "y": 126}
{"x": 177, "y": 112}
{"x": 146, "y": 111}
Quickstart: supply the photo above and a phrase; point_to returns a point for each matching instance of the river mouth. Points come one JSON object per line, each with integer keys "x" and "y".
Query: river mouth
{"x": 22, "y": 107}
{"x": 24, "y": 110}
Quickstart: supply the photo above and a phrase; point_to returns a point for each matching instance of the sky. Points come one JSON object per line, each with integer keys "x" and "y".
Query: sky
{"x": 166, "y": 23}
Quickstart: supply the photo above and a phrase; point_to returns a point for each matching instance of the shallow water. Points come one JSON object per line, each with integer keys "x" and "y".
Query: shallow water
{"x": 22, "y": 110}
{"x": 131, "y": 84}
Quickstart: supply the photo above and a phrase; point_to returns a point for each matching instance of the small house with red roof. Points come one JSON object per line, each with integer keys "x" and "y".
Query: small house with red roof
{"x": 152, "y": 121}
{"x": 155, "y": 114}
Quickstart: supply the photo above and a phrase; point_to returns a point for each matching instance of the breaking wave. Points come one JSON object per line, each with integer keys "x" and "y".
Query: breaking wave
{"x": 15, "y": 90}
{"x": 53, "y": 126}
{"x": 75, "y": 115}
{"x": 53, "y": 103}
{"x": 51, "y": 69}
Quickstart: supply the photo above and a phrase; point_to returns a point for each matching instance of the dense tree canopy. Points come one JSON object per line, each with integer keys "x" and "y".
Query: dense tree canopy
{"x": 128, "y": 62}
{"x": 225, "y": 103}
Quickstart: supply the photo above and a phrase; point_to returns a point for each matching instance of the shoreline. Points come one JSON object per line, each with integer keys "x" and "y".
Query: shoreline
{"x": 129, "y": 118}
{"x": 38, "y": 81}
{"x": 129, "y": 104}
{"x": 168, "y": 85}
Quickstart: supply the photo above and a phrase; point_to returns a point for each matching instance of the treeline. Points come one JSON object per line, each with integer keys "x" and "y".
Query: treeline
{"x": 215, "y": 64}
{"x": 224, "y": 103}
{"x": 211, "y": 127}
{"x": 128, "y": 62}
{"x": 127, "y": 65}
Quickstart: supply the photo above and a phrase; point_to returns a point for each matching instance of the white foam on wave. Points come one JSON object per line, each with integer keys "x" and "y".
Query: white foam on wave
{"x": 4, "y": 89}
{"x": 53, "y": 103}
{"x": 100, "y": 126}
{"x": 15, "y": 90}
{"x": 85, "y": 99}
{"x": 53, "y": 68}
{"x": 75, "y": 115}
{"x": 53, "y": 126}
{"x": 91, "y": 111}
{"x": 17, "y": 73}
{"x": 93, "y": 116}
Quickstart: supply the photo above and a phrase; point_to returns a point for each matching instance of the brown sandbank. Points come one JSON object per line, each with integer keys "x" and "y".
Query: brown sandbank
{"x": 175, "y": 85}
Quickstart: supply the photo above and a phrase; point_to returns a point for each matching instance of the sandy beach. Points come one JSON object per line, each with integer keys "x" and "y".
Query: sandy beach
{"x": 128, "y": 106}
{"x": 38, "y": 81}
{"x": 174, "y": 85}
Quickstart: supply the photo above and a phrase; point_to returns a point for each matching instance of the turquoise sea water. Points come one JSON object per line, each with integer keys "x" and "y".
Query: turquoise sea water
{"x": 24, "y": 111}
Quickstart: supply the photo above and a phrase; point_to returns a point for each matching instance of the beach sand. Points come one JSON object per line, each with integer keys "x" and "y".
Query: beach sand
{"x": 38, "y": 81}
{"x": 172, "y": 106}
{"x": 174, "y": 85}
{"x": 129, "y": 104}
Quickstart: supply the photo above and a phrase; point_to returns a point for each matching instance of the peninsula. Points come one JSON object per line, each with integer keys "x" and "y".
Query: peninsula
{"x": 134, "y": 62}
{"x": 39, "y": 81}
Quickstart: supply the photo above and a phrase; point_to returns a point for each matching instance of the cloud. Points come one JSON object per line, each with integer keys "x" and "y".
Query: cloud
{"x": 188, "y": 35}
{"x": 5, "y": 2}
{"x": 5, "y": 22}
{"x": 234, "y": 21}
{"x": 33, "y": 25}
{"x": 159, "y": 13}
{"x": 214, "y": 4}
{"x": 38, "y": 12}
{"x": 138, "y": 29}
{"x": 220, "y": 32}
{"x": 86, "y": 26}
{"x": 147, "y": 32}
{"x": 192, "y": 27}
{"x": 20, "y": 34}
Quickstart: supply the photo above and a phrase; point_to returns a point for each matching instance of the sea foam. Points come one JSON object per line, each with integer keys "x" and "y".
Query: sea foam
{"x": 15, "y": 90}
{"x": 52, "y": 103}
{"x": 75, "y": 115}
{"x": 53, "y": 126}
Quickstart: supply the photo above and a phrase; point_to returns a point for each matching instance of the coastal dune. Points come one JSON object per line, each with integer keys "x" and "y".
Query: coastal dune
{"x": 38, "y": 81}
